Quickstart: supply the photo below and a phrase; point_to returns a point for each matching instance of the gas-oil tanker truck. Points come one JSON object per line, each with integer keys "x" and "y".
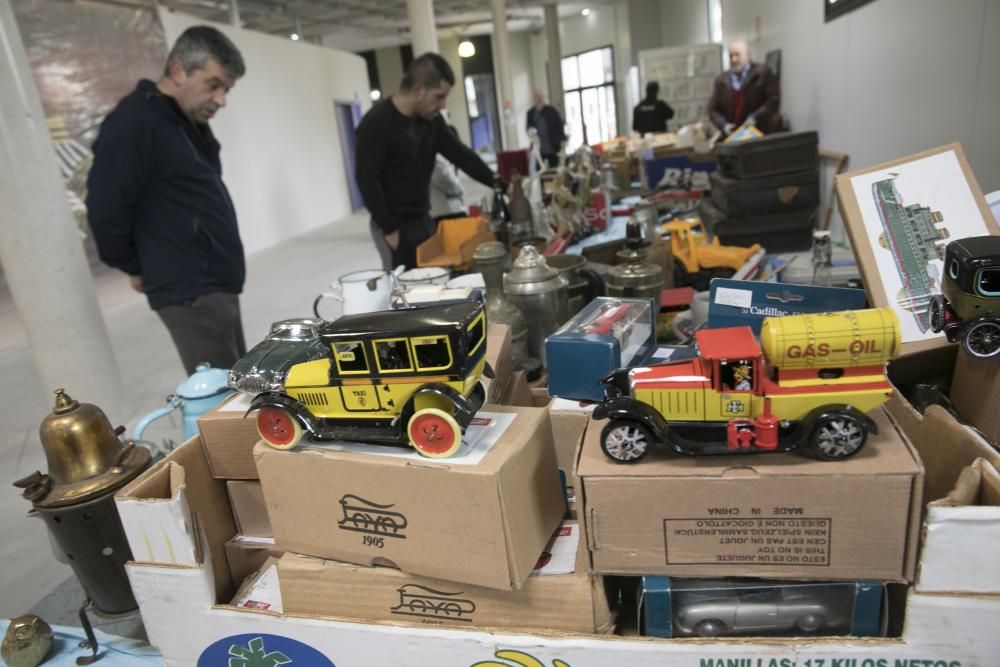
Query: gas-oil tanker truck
{"x": 806, "y": 385}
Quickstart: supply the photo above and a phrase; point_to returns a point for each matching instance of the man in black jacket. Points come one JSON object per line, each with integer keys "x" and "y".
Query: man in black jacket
{"x": 548, "y": 123}
{"x": 158, "y": 207}
{"x": 398, "y": 141}
{"x": 652, "y": 114}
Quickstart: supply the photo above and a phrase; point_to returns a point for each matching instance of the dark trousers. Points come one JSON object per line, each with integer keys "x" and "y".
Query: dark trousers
{"x": 411, "y": 234}
{"x": 207, "y": 329}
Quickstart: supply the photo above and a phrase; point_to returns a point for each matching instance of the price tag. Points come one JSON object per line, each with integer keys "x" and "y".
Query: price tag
{"x": 739, "y": 298}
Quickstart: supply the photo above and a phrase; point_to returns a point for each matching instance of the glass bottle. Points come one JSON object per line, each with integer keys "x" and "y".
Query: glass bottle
{"x": 522, "y": 225}
{"x": 822, "y": 258}
{"x": 500, "y": 220}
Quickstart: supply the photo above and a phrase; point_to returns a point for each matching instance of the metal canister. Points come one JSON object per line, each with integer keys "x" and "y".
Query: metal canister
{"x": 633, "y": 276}
{"x": 540, "y": 292}
{"x": 659, "y": 251}
{"x": 490, "y": 257}
{"x": 87, "y": 463}
{"x": 585, "y": 284}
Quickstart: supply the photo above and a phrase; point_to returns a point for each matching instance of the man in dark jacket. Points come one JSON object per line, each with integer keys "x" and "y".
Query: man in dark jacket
{"x": 747, "y": 93}
{"x": 652, "y": 114}
{"x": 158, "y": 207}
{"x": 546, "y": 120}
{"x": 398, "y": 141}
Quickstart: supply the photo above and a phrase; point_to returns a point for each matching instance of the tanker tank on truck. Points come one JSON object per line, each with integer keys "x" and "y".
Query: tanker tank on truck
{"x": 806, "y": 385}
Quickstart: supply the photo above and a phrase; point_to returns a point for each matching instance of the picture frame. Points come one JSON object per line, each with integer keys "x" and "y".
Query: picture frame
{"x": 899, "y": 216}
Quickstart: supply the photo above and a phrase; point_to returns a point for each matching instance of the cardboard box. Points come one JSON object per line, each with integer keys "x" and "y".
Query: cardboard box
{"x": 572, "y": 602}
{"x": 482, "y": 524}
{"x": 962, "y": 535}
{"x": 249, "y": 509}
{"x": 190, "y": 620}
{"x": 975, "y": 390}
{"x": 767, "y": 515}
{"x": 498, "y": 357}
{"x": 229, "y": 438}
{"x": 247, "y": 556}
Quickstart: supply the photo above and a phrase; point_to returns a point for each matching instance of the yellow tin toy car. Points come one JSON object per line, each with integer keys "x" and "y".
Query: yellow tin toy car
{"x": 394, "y": 377}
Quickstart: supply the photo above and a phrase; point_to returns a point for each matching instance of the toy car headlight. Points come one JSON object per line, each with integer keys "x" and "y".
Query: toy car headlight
{"x": 256, "y": 382}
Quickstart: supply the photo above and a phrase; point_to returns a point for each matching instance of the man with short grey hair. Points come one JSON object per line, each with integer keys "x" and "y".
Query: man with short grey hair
{"x": 158, "y": 207}
{"x": 748, "y": 93}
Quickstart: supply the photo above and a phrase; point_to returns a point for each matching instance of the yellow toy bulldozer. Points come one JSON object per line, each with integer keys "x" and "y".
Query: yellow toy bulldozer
{"x": 696, "y": 261}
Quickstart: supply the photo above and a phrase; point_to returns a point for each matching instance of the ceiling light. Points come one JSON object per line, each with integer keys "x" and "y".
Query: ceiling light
{"x": 586, "y": 11}
{"x": 466, "y": 49}
{"x": 376, "y": 95}
{"x": 295, "y": 36}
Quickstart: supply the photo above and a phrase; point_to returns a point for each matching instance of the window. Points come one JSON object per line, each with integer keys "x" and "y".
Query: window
{"x": 432, "y": 353}
{"x": 589, "y": 87}
{"x": 475, "y": 334}
{"x": 988, "y": 282}
{"x": 350, "y": 357}
{"x": 737, "y": 375}
{"x": 393, "y": 356}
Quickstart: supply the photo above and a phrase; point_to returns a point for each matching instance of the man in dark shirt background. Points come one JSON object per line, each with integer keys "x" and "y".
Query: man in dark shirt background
{"x": 652, "y": 114}
{"x": 398, "y": 140}
{"x": 158, "y": 207}
{"x": 546, "y": 120}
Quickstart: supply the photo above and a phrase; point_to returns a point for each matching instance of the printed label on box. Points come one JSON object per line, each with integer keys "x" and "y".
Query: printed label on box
{"x": 786, "y": 541}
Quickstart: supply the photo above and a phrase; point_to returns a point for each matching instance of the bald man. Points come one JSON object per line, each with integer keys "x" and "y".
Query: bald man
{"x": 546, "y": 120}
{"x": 747, "y": 93}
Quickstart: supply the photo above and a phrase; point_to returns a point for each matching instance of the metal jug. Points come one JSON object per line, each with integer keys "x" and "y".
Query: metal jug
{"x": 635, "y": 276}
{"x": 198, "y": 394}
{"x": 540, "y": 293}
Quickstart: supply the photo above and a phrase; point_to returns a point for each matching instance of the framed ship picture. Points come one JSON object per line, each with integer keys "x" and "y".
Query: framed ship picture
{"x": 900, "y": 215}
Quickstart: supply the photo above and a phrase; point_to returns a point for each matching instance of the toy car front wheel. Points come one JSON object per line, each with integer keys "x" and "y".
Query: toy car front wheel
{"x": 837, "y": 436}
{"x": 625, "y": 441}
{"x": 278, "y": 428}
{"x": 434, "y": 433}
{"x": 982, "y": 339}
{"x": 710, "y": 628}
{"x": 935, "y": 312}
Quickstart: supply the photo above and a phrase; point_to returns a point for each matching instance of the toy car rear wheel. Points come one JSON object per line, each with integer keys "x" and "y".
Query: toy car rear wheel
{"x": 837, "y": 436}
{"x": 710, "y": 628}
{"x": 278, "y": 428}
{"x": 810, "y": 622}
{"x": 982, "y": 339}
{"x": 434, "y": 433}
{"x": 625, "y": 441}
{"x": 935, "y": 313}
{"x": 478, "y": 397}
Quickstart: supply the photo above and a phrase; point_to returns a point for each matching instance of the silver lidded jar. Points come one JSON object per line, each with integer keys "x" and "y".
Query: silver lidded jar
{"x": 635, "y": 276}
{"x": 490, "y": 257}
{"x": 540, "y": 292}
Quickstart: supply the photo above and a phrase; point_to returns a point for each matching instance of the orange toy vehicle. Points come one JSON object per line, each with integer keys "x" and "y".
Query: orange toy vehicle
{"x": 807, "y": 384}
{"x": 696, "y": 261}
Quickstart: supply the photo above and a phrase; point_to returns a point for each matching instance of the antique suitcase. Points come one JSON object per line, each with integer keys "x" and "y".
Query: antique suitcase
{"x": 770, "y": 194}
{"x": 780, "y": 153}
{"x": 777, "y": 232}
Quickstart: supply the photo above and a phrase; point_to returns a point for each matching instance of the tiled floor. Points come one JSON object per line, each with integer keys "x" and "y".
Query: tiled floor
{"x": 282, "y": 282}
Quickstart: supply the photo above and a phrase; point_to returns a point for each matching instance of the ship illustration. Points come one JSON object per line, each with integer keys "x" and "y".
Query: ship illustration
{"x": 912, "y": 235}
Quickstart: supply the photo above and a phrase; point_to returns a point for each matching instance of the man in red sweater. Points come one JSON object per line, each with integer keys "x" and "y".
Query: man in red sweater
{"x": 748, "y": 93}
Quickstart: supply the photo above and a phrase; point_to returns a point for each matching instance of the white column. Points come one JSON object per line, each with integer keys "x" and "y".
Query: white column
{"x": 234, "y": 14}
{"x": 423, "y": 32}
{"x": 556, "y": 97}
{"x": 501, "y": 67}
{"x": 40, "y": 250}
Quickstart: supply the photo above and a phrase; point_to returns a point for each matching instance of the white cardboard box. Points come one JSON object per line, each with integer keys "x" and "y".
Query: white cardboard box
{"x": 179, "y": 601}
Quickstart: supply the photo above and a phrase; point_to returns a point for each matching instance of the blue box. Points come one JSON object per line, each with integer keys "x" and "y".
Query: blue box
{"x": 674, "y": 607}
{"x": 609, "y": 333}
{"x": 738, "y": 303}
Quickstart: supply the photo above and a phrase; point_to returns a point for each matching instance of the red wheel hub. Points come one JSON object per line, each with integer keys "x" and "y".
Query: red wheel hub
{"x": 432, "y": 433}
{"x": 276, "y": 426}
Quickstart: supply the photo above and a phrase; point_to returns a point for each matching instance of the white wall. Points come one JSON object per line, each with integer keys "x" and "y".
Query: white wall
{"x": 684, "y": 22}
{"x": 281, "y": 153}
{"x": 891, "y": 78}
